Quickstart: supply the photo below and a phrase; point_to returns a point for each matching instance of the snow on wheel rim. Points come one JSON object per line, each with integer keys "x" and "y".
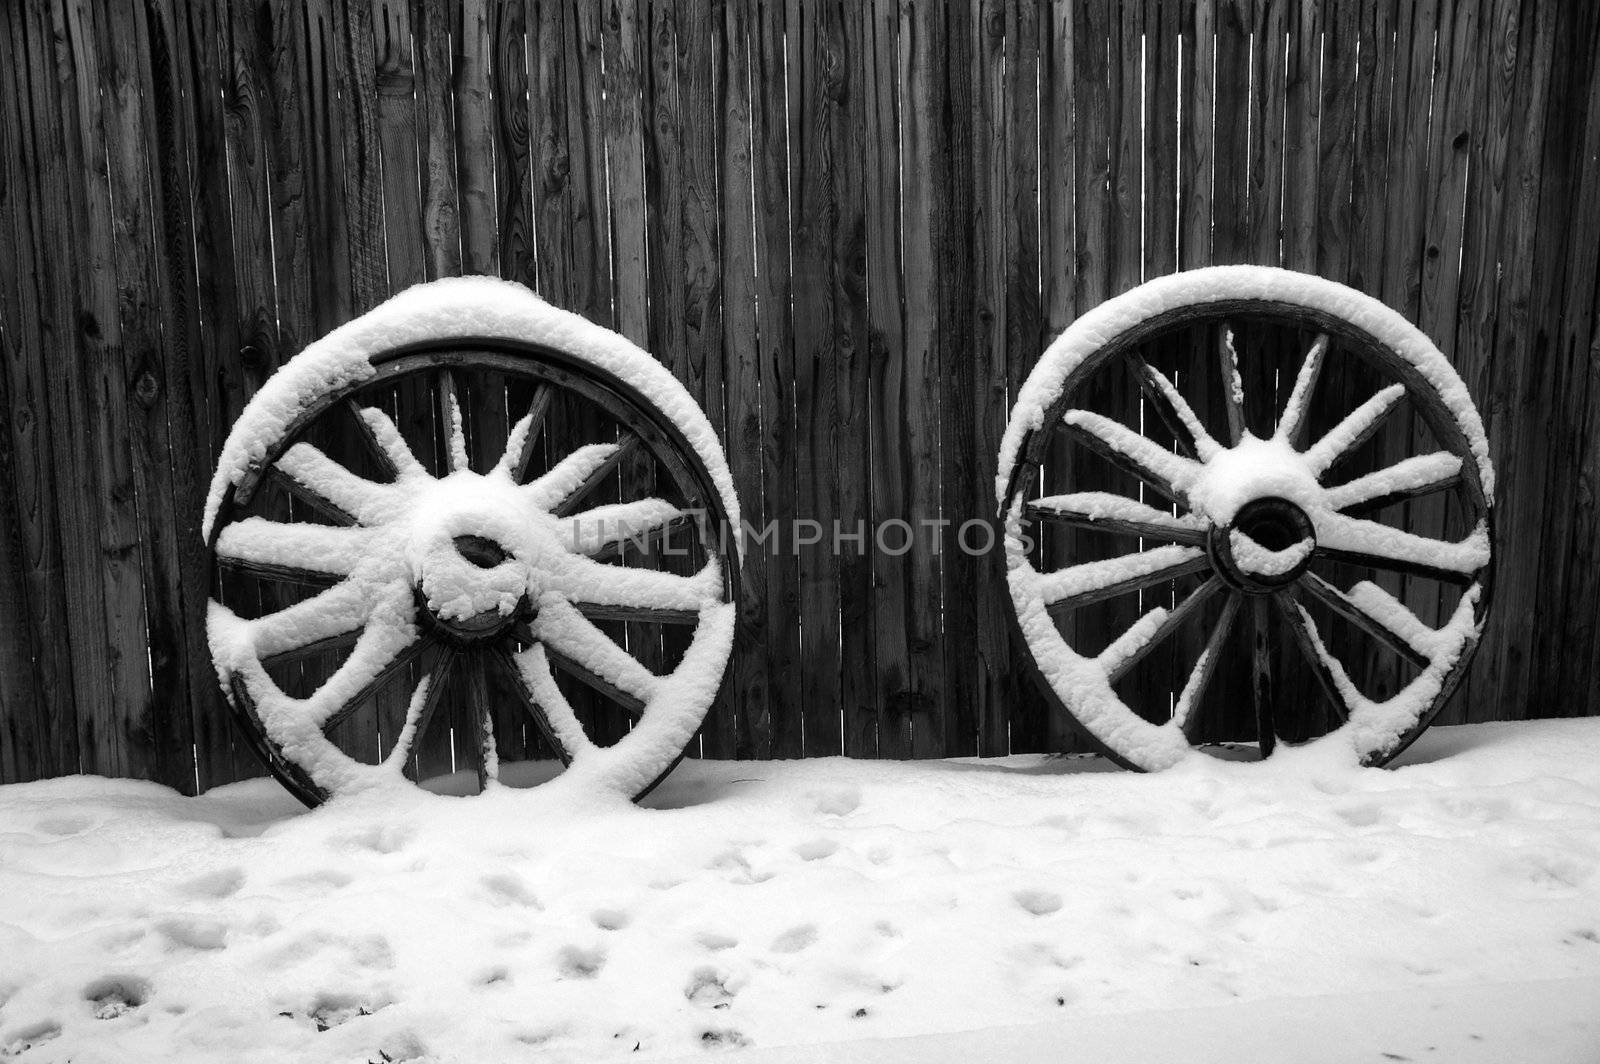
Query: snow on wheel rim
{"x": 495, "y": 571}
{"x": 1247, "y": 516}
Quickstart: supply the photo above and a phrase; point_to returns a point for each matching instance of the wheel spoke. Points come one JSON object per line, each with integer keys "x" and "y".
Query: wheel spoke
{"x": 525, "y": 435}
{"x": 1312, "y": 648}
{"x": 560, "y": 490}
{"x": 287, "y": 574}
{"x": 1357, "y": 428}
{"x": 1141, "y": 458}
{"x": 419, "y": 716}
{"x": 376, "y": 449}
{"x": 1151, "y": 630}
{"x": 529, "y": 673}
{"x": 455, "y": 435}
{"x": 1232, "y": 386}
{"x": 373, "y": 663}
{"x": 330, "y": 511}
{"x": 574, "y": 645}
{"x": 584, "y": 580}
{"x": 1175, "y": 411}
{"x": 608, "y": 528}
{"x": 1292, "y": 425}
{"x": 1091, "y": 582}
{"x": 485, "y": 757}
{"x": 1378, "y": 546}
{"x": 636, "y": 614}
{"x": 331, "y": 644}
{"x": 393, "y": 444}
{"x": 1410, "y": 478}
{"x": 1194, "y": 689}
{"x": 1106, "y": 512}
{"x": 320, "y": 553}
{"x": 1380, "y": 615}
{"x": 1261, "y": 675}
{"x": 597, "y": 476}
{"x": 337, "y": 611}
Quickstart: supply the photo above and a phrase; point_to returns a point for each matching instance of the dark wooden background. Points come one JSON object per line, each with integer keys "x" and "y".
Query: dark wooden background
{"x": 849, "y": 227}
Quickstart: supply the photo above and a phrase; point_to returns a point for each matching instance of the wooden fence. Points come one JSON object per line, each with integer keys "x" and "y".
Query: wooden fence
{"x": 850, "y": 226}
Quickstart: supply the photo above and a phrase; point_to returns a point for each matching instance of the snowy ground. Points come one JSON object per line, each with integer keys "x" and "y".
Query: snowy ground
{"x": 1448, "y": 910}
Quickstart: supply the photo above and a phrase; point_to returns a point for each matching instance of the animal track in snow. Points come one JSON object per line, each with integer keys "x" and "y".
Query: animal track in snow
{"x": 576, "y": 962}
{"x": 221, "y": 883}
{"x": 190, "y": 933}
{"x": 323, "y": 879}
{"x": 507, "y": 888}
{"x": 816, "y": 849}
{"x": 707, "y": 986}
{"x": 610, "y": 919}
{"x": 724, "y": 1038}
{"x": 381, "y": 838}
{"x": 715, "y": 941}
{"x": 1038, "y": 902}
{"x": 114, "y": 995}
{"x": 64, "y": 825}
{"x": 795, "y": 939}
{"x": 18, "y": 1042}
{"x": 1364, "y": 815}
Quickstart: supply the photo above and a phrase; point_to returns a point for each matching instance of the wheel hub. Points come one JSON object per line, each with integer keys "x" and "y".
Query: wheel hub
{"x": 1267, "y": 545}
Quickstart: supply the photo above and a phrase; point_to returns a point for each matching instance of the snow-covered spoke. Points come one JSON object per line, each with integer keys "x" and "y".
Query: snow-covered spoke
{"x": 424, "y": 703}
{"x": 332, "y": 644}
{"x": 371, "y": 665}
{"x": 597, "y": 584}
{"x": 1383, "y": 617}
{"x": 1091, "y": 582}
{"x": 1357, "y": 428}
{"x": 454, "y": 427}
{"x": 1232, "y": 385}
{"x": 577, "y": 647}
{"x": 1410, "y": 478}
{"x": 314, "y": 476}
{"x": 611, "y": 527}
{"x": 525, "y": 435}
{"x": 330, "y": 512}
{"x": 1184, "y": 715}
{"x": 338, "y": 611}
{"x": 393, "y": 444}
{"x": 573, "y": 501}
{"x": 1291, "y": 426}
{"x": 535, "y": 687}
{"x": 1314, "y": 650}
{"x": 597, "y": 611}
{"x": 379, "y": 453}
{"x": 1378, "y": 546}
{"x": 481, "y": 745}
{"x": 1108, "y": 512}
{"x": 560, "y": 490}
{"x": 1168, "y": 473}
{"x": 1175, "y": 412}
{"x": 294, "y": 550}
{"x": 1151, "y": 630}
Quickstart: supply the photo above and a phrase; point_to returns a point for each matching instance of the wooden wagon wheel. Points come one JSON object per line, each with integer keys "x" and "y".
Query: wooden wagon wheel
{"x": 1225, "y": 549}
{"x": 499, "y": 569}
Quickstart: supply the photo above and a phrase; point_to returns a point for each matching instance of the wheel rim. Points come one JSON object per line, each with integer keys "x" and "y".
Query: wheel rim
{"x": 601, "y": 574}
{"x": 1241, "y": 541}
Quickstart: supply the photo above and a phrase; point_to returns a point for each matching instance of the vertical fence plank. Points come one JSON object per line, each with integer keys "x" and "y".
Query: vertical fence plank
{"x": 775, "y": 326}
{"x": 921, "y": 708}
{"x": 879, "y": 48}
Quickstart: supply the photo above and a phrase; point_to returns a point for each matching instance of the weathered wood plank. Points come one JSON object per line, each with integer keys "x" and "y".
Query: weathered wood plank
{"x": 775, "y": 328}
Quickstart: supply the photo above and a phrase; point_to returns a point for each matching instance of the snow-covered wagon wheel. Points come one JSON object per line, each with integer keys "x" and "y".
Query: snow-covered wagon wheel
{"x": 473, "y": 521}
{"x": 1246, "y": 504}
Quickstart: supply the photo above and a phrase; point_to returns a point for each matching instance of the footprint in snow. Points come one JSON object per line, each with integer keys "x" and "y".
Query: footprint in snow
{"x": 1038, "y": 902}
{"x": 114, "y": 995}
{"x": 840, "y": 802}
{"x": 707, "y": 986}
{"x": 576, "y": 962}
{"x": 221, "y": 883}
{"x": 1361, "y": 816}
{"x": 816, "y": 849}
{"x": 715, "y": 941}
{"x": 507, "y": 888}
{"x": 186, "y": 933}
{"x": 795, "y": 939}
{"x": 610, "y": 919}
{"x": 17, "y": 1042}
{"x": 64, "y": 825}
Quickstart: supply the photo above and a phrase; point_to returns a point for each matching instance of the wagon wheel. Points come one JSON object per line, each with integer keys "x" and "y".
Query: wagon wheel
{"x": 1245, "y": 512}
{"x": 517, "y": 565}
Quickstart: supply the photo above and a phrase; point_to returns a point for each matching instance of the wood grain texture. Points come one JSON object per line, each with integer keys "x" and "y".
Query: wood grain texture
{"x": 849, "y": 228}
